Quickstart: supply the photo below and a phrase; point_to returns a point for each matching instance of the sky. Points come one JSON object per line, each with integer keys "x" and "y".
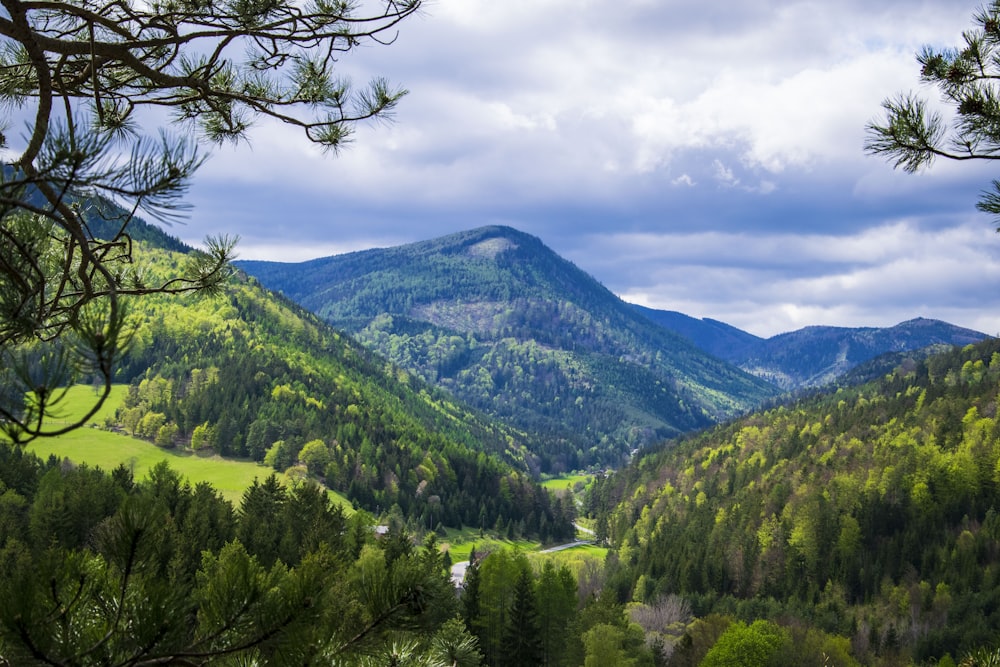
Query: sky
{"x": 699, "y": 157}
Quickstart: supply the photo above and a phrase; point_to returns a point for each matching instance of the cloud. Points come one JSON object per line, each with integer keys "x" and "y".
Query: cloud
{"x": 701, "y": 157}
{"x": 773, "y": 283}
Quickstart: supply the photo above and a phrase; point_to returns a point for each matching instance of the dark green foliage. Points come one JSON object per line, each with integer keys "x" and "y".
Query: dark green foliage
{"x": 556, "y": 592}
{"x": 912, "y": 135}
{"x": 524, "y": 617}
{"x": 522, "y": 638}
{"x": 156, "y": 573}
{"x": 516, "y": 331}
{"x": 869, "y": 513}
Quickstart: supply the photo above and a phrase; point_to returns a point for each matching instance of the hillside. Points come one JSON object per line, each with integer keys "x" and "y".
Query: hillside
{"x": 870, "y": 513}
{"x": 813, "y": 356}
{"x": 251, "y": 375}
{"x": 506, "y": 325}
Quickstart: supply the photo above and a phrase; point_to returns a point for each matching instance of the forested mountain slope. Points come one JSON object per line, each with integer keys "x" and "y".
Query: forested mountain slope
{"x": 249, "y": 374}
{"x": 505, "y": 324}
{"x": 872, "y": 512}
{"x": 812, "y": 356}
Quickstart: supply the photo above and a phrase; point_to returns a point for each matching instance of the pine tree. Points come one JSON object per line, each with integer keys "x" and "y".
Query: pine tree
{"x": 912, "y": 136}
{"x": 84, "y": 71}
{"x": 556, "y": 594}
{"x": 522, "y": 639}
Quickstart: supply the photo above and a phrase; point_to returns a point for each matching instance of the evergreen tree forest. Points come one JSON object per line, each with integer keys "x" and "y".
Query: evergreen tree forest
{"x": 526, "y": 615}
{"x": 103, "y": 569}
{"x": 869, "y": 514}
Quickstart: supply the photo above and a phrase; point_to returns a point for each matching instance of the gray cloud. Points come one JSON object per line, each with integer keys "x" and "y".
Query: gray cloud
{"x": 702, "y": 157}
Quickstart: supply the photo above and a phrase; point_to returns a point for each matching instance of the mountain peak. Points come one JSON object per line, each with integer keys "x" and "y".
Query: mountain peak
{"x": 510, "y": 327}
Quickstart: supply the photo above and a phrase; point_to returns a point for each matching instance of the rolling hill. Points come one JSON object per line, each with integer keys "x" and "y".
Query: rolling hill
{"x": 248, "y": 374}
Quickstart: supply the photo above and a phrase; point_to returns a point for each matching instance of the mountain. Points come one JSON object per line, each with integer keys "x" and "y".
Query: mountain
{"x": 509, "y": 327}
{"x": 813, "y": 356}
{"x": 249, "y": 374}
{"x": 871, "y": 513}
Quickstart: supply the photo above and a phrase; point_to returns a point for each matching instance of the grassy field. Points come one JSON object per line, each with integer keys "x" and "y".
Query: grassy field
{"x": 105, "y": 449}
{"x": 582, "y": 551}
{"x": 566, "y": 482}
{"x": 459, "y": 543}
{"x": 79, "y": 398}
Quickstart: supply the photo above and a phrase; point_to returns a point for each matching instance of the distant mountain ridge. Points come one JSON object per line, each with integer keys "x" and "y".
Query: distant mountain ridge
{"x": 717, "y": 338}
{"x": 813, "y": 356}
{"x": 510, "y": 327}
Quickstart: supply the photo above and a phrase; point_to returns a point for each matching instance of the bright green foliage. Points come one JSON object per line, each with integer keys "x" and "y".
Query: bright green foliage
{"x": 700, "y": 637}
{"x": 72, "y": 183}
{"x": 628, "y": 638}
{"x": 808, "y": 646}
{"x": 250, "y": 375}
{"x": 870, "y": 514}
{"x": 603, "y": 644}
{"x": 315, "y": 455}
{"x": 756, "y": 645}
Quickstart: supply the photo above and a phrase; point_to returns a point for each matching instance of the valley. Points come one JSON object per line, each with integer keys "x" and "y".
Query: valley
{"x": 460, "y": 422}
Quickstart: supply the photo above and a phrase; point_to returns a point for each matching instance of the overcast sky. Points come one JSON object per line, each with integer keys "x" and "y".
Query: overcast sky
{"x": 692, "y": 156}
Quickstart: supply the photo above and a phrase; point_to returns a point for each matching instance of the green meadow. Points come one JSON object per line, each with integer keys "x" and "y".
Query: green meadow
{"x": 97, "y": 447}
{"x": 566, "y": 482}
{"x": 459, "y": 543}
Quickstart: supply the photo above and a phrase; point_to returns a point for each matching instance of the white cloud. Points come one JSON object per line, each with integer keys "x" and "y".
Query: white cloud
{"x": 724, "y": 174}
{"x": 253, "y": 248}
{"x": 548, "y": 100}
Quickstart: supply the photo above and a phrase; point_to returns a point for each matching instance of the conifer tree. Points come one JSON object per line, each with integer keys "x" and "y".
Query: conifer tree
{"x": 522, "y": 640}
{"x": 89, "y": 78}
{"x": 912, "y": 136}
